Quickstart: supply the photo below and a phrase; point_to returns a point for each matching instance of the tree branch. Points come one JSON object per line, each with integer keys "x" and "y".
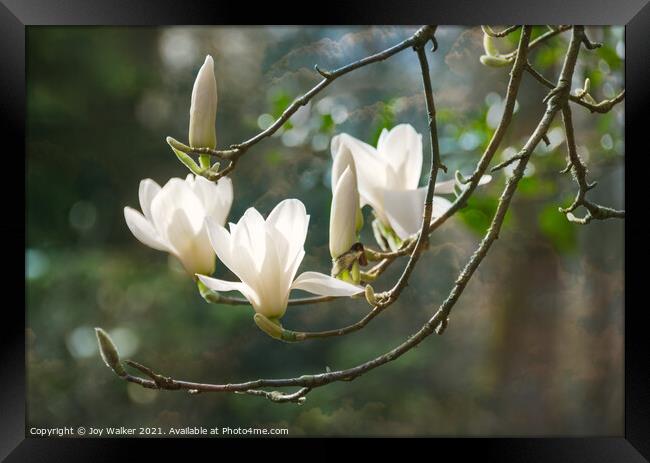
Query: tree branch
{"x": 492, "y": 33}
{"x": 439, "y": 319}
{"x": 422, "y": 35}
{"x": 497, "y": 137}
{"x": 602, "y": 107}
{"x": 579, "y": 172}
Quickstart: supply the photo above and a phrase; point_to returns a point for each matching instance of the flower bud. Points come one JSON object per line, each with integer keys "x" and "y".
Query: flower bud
{"x": 343, "y": 215}
{"x": 203, "y": 110}
{"x": 109, "y": 352}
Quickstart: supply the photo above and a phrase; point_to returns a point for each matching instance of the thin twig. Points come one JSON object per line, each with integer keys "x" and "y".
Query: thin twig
{"x": 541, "y": 39}
{"x": 492, "y": 33}
{"x": 602, "y": 107}
{"x": 579, "y": 172}
{"x": 511, "y": 96}
{"x": 236, "y": 151}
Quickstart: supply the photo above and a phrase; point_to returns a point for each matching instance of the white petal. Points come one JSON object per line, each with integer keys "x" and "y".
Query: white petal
{"x": 485, "y": 179}
{"x": 293, "y": 266}
{"x": 222, "y": 243}
{"x": 440, "y": 206}
{"x": 147, "y": 191}
{"x": 142, "y": 229}
{"x": 203, "y": 110}
{"x": 289, "y": 222}
{"x": 216, "y": 198}
{"x": 272, "y": 284}
{"x": 342, "y": 161}
{"x": 404, "y": 209}
{"x": 371, "y": 170}
{"x": 382, "y": 136}
{"x": 446, "y": 187}
{"x": 176, "y": 195}
{"x": 220, "y": 240}
{"x": 345, "y": 202}
{"x": 402, "y": 149}
{"x": 250, "y": 234}
{"x": 193, "y": 250}
{"x": 319, "y": 283}
{"x": 222, "y": 286}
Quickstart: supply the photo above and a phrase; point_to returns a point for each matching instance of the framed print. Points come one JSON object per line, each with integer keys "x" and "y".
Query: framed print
{"x": 381, "y": 221}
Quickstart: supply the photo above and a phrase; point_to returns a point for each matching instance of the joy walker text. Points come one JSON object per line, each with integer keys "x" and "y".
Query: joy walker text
{"x": 155, "y": 431}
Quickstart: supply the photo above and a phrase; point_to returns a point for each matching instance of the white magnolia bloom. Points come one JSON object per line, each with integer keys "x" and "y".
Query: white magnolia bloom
{"x": 345, "y": 208}
{"x": 203, "y": 110}
{"x": 265, "y": 256}
{"x": 388, "y": 177}
{"x": 173, "y": 218}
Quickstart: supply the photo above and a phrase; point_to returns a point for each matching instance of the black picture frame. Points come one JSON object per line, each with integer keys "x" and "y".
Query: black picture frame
{"x": 15, "y": 15}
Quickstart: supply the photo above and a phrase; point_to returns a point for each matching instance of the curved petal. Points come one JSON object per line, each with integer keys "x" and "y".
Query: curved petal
{"x": 440, "y": 206}
{"x": 272, "y": 284}
{"x": 288, "y": 222}
{"x": 176, "y": 195}
{"x": 342, "y": 160}
{"x": 147, "y": 191}
{"x": 343, "y": 214}
{"x": 223, "y": 286}
{"x": 325, "y": 285}
{"x": 371, "y": 170}
{"x": 485, "y": 179}
{"x": 250, "y": 234}
{"x": 404, "y": 209}
{"x": 220, "y": 240}
{"x": 237, "y": 260}
{"x": 193, "y": 250}
{"x": 382, "y": 136}
{"x": 401, "y": 148}
{"x": 216, "y": 198}
{"x": 143, "y": 230}
{"x": 445, "y": 187}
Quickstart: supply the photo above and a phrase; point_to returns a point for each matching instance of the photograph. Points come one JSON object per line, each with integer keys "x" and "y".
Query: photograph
{"x": 320, "y": 231}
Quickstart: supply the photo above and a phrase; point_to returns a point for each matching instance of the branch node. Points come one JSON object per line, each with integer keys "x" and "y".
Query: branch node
{"x": 440, "y": 329}
{"x": 325, "y": 74}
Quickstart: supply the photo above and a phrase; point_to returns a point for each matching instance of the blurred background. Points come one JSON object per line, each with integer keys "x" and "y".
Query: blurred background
{"x": 534, "y": 345}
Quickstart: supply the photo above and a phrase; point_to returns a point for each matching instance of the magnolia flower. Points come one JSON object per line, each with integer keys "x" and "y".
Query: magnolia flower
{"x": 265, "y": 256}
{"x": 174, "y": 215}
{"x": 203, "y": 110}
{"x": 388, "y": 178}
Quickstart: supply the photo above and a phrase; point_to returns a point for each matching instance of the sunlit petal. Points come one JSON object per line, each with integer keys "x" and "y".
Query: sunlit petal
{"x": 143, "y": 230}
{"x": 147, "y": 191}
{"x": 345, "y": 201}
{"x": 325, "y": 285}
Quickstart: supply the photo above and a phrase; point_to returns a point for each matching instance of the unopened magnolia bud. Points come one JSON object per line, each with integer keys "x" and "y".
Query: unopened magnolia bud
{"x": 203, "y": 109}
{"x": 370, "y": 295}
{"x": 494, "y": 61}
{"x": 272, "y": 329}
{"x": 109, "y": 352}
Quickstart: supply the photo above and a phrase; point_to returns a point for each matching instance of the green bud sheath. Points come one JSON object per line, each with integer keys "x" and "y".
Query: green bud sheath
{"x": 109, "y": 352}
